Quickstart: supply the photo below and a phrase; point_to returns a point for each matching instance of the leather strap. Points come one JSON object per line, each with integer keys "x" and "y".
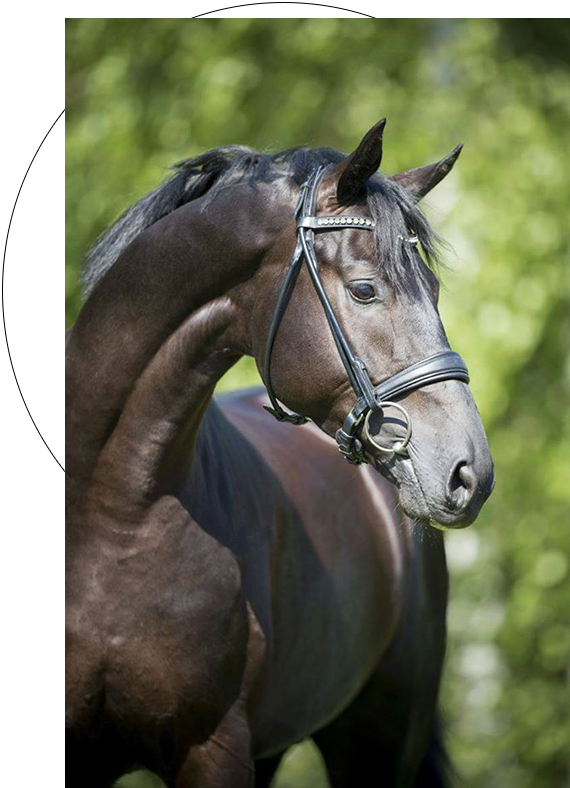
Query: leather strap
{"x": 446, "y": 365}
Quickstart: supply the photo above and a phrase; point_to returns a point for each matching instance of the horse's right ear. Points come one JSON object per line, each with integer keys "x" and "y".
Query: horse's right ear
{"x": 353, "y": 172}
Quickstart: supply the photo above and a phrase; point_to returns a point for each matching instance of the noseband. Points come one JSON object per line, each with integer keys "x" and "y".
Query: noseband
{"x": 371, "y": 399}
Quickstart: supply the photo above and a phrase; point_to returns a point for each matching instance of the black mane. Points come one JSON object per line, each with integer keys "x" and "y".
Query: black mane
{"x": 393, "y": 209}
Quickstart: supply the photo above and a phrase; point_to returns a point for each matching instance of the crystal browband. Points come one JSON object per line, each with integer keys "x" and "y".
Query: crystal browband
{"x": 316, "y": 222}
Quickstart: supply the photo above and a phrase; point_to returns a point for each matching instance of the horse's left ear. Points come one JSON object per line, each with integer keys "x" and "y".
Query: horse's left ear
{"x": 353, "y": 172}
{"x": 420, "y": 181}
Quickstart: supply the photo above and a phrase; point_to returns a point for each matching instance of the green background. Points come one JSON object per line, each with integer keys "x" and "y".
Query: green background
{"x": 142, "y": 94}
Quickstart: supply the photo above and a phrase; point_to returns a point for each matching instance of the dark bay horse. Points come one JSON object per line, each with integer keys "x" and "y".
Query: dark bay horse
{"x": 233, "y": 584}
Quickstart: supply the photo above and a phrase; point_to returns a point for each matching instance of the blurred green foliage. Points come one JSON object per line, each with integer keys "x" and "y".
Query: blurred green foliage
{"x": 142, "y": 94}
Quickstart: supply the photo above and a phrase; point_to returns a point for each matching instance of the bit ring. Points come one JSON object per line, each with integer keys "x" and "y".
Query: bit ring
{"x": 399, "y": 447}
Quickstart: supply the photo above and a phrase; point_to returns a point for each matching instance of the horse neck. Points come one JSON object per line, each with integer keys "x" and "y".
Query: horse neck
{"x": 152, "y": 340}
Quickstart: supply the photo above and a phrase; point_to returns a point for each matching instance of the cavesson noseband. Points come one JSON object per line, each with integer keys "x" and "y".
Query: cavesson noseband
{"x": 446, "y": 365}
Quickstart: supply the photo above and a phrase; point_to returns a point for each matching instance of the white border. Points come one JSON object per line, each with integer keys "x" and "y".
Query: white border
{"x": 31, "y": 654}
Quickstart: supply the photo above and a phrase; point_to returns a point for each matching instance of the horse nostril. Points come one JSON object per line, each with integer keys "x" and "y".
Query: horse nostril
{"x": 461, "y": 485}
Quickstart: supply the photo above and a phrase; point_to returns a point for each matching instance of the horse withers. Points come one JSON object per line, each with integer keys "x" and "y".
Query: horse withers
{"x": 233, "y": 584}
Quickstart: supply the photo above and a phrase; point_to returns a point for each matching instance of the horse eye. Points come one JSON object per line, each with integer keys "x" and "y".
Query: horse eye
{"x": 362, "y": 291}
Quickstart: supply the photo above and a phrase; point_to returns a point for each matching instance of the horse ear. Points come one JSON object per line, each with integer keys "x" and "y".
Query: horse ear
{"x": 420, "y": 181}
{"x": 354, "y": 171}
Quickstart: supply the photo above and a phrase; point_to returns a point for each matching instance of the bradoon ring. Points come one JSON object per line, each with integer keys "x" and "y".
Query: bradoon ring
{"x": 400, "y": 446}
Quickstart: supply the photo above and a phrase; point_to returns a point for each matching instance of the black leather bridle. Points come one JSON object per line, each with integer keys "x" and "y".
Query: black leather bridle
{"x": 371, "y": 399}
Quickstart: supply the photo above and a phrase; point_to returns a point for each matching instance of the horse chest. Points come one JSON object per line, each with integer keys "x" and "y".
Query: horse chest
{"x": 157, "y": 627}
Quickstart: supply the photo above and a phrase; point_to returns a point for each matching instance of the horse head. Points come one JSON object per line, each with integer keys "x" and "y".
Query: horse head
{"x": 377, "y": 324}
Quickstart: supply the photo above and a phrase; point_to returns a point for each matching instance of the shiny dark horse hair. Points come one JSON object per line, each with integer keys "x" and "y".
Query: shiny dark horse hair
{"x": 393, "y": 209}
{"x": 437, "y": 770}
{"x": 205, "y": 176}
